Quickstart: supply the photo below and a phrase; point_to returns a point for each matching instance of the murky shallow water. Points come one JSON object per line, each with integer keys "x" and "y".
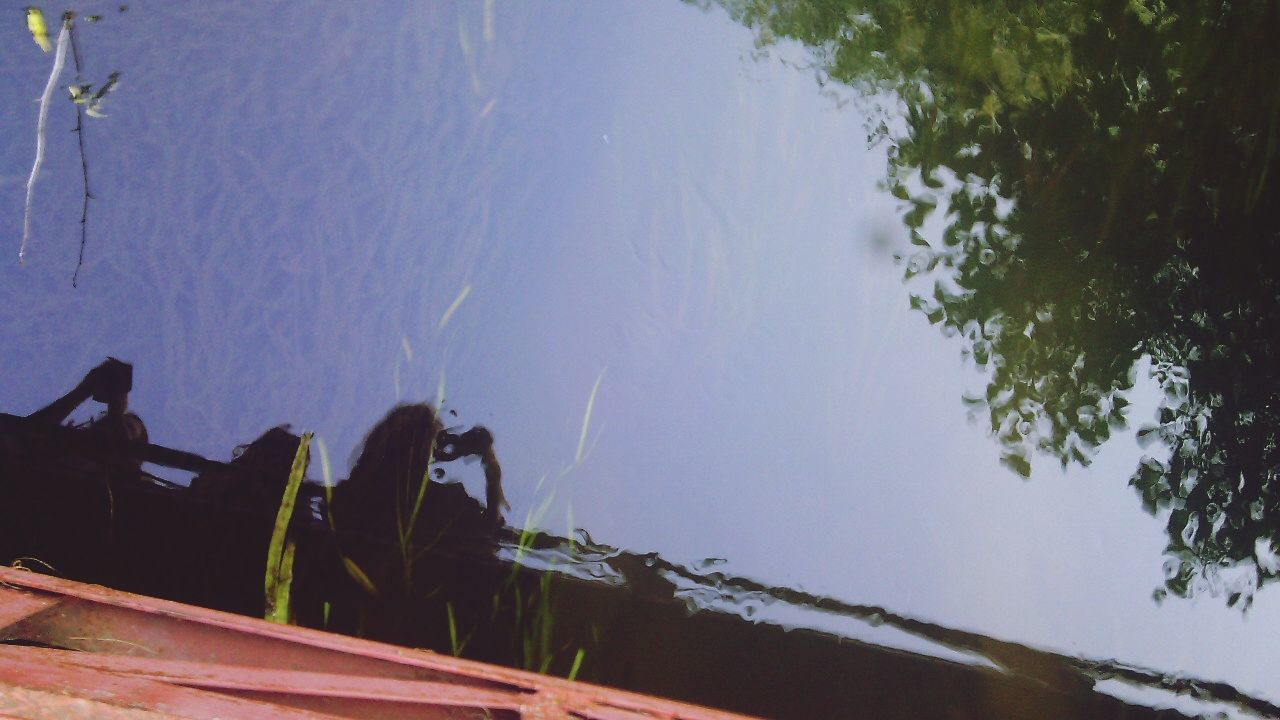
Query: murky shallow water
{"x": 659, "y": 269}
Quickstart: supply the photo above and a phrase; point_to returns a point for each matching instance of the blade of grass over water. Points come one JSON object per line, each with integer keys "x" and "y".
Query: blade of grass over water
{"x": 326, "y": 469}
{"x": 532, "y": 521}
{"x": 544, "y": 621}
{"x": 280, "y": 552}
{"x": 353, "y": 570}
{"x": 586, "y": 418}
{"x": 279, "y": 607}
{"x": 577, "y": 663}
{"x": 569, "y": 533}
{"x": 456, "y": 645}
{"x": 453, "y": 308}
{"x": 326, "y": 474}
{"x": 489, "y": 7}
{"x": 453, "y": 630}
{"x": 359, "y": 575}
{"x": 407, "y": 555}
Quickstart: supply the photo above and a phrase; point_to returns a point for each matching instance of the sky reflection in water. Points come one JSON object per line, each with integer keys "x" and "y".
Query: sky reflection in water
{"x": 288, "y": 207}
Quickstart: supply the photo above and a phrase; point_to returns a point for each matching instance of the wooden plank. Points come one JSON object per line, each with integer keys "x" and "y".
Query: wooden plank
{"x": 210, "y": 676}
{"x": 123, "y": 692}
{"x": 124, "y": 628}
{"x": 21, "y": 703}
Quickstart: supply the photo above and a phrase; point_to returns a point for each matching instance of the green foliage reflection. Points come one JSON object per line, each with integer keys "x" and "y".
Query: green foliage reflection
{"x": 1105, "y": 170}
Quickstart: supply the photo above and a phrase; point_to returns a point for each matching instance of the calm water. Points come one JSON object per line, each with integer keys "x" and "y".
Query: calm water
{"x": 659, "y": 264}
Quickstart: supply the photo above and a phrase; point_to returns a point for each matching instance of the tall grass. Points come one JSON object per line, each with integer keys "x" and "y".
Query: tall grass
{"x": 353, "y": 570}
{"x": 535, "y": 615}
{"x": 535, "y": 610}
{"x": 533, "y": 604}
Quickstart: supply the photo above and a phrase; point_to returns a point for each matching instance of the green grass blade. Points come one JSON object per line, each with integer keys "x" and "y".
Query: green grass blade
{"x": 280, "y": 553}
{"x": 453, "y": 630}
{"x": 577, "y": 663}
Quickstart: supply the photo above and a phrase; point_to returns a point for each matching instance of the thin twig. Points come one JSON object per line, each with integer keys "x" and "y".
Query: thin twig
{"x": 59, "y": 59}
{"x": 84, "y": 165}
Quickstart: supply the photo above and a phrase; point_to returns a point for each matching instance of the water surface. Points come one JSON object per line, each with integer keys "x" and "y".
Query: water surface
{"x": 658, "y": 267}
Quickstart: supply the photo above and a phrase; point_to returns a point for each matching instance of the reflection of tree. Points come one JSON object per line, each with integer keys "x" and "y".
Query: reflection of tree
{"x": 1136, "y": 144}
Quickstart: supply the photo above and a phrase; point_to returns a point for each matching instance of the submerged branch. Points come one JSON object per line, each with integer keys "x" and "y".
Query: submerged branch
{"x": 84, "y": 164}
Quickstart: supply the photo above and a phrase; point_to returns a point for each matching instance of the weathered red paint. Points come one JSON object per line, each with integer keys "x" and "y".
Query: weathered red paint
{"x": 95, "y": 652}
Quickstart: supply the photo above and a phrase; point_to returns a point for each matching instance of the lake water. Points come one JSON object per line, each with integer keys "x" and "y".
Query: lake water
{"x": 657, "y": 266}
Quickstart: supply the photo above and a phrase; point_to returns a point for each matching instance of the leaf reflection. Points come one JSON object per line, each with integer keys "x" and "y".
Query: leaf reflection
{"x": 1111, "y": 200}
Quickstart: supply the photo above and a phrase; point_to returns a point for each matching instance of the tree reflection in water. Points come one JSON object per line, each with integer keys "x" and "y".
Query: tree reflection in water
{"x": 1105, "y": 172}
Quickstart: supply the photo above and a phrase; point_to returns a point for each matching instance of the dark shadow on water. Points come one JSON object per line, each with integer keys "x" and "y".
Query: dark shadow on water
{"x": 436, "y": 568}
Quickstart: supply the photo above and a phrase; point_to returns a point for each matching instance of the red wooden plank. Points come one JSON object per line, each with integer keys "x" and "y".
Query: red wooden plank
{"x": 377, "y": 710}
{"x": 210, "y": 676}
{"x": 20, "y": 703}
{"x": 107, "y": 629}
{"x": 136, "y": 693}
{"x": 130, "y": 628}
